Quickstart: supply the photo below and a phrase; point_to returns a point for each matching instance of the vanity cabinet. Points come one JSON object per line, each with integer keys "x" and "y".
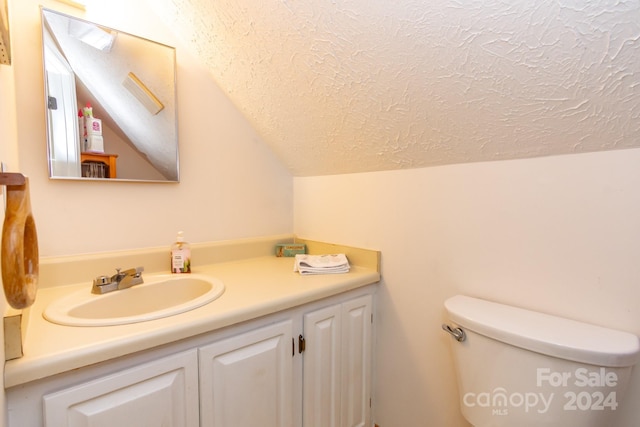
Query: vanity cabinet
{"x": 309, "y": 365}
{"x": 163, "y": 392}
{"x": 256, "y": 370}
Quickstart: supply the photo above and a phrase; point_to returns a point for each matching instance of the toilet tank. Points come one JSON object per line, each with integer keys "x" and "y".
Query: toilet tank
{"x": 524, "y": 368}
{"x": 550, "y": 335}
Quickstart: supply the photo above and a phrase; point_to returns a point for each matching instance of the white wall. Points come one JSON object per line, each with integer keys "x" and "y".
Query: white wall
{"x": 558, "y": 234}
{"x": 232, "y": 185}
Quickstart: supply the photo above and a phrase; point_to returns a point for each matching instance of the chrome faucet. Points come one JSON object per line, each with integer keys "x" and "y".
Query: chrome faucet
{"x": 121, "y": 280}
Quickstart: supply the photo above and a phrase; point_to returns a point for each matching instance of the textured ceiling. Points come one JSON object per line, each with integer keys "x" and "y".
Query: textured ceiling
{"x": 339, "y": 86}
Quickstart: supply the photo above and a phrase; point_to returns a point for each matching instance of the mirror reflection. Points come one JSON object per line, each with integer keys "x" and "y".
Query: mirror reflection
{"x": 110, "y": 101}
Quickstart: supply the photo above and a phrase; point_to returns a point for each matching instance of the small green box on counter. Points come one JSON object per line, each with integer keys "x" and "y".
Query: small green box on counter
{"x": 290, "y": 249}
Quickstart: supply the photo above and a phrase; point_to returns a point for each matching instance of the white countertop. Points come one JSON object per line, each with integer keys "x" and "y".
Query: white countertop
{"x": 253, "y": 287}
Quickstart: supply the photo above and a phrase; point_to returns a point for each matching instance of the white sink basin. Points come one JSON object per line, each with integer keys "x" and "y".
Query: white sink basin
{"x": 160, "y": 296}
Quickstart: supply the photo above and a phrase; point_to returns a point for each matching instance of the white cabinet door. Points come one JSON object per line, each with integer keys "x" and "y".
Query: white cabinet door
{"x": 247, "y": 380}
{"x": 322, "y": 367}
{"x": 163, "y": 392}
{"x": 356, "y": 362}
{"x": 337, "y": 365}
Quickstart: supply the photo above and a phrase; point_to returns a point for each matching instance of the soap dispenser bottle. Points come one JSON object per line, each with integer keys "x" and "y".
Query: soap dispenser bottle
{"x": 180, "y": 255}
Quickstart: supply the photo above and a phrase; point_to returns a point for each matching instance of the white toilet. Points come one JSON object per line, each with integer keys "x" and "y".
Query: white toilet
{"x": 522, "y": 368}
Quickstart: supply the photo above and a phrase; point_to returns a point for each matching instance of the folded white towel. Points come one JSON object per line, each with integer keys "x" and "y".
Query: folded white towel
{"x": 321, "y": 264}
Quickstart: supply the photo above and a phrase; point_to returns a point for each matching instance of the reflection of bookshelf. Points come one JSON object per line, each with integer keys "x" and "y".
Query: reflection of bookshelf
{"x": 98, "y": 165}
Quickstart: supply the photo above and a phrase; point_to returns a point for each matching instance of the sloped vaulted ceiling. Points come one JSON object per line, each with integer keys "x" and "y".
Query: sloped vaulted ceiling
{"x": 339, "y": 86}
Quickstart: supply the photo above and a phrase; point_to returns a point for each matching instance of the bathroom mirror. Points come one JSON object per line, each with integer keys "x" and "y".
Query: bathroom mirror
{"x": 110, "y": 99}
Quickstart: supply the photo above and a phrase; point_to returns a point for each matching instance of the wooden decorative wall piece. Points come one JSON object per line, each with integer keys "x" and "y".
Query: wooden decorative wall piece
{"x": 20, "y": 261}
